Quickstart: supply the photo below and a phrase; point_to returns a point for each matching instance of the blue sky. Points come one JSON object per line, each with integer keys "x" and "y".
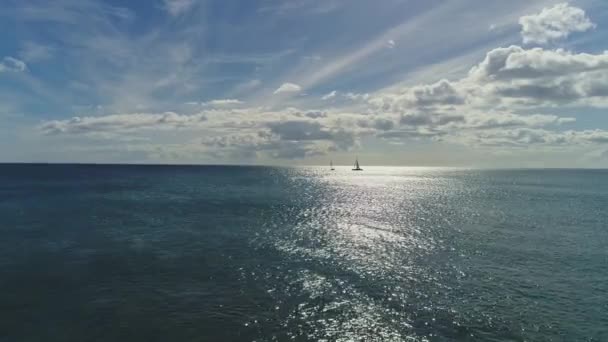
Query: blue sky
{"x": 398, "y": 82}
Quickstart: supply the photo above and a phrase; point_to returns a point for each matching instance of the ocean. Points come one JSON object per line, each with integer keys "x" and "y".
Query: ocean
{"x": 228, "y": 253}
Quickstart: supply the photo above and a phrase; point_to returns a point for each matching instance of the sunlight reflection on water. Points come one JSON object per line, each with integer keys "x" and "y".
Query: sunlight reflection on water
{"x": 367, "y": 228}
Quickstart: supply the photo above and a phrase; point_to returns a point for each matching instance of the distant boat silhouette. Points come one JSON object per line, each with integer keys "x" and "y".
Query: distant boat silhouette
{"x": 331, "y": 165}
{"x": 357, "y": 167}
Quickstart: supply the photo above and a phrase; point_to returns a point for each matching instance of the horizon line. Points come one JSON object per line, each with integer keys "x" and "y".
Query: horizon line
{"x": 301, "y": 165}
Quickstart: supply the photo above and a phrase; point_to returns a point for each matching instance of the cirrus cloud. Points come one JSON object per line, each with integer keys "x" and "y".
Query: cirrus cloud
{"x": 12, "y": 64}
{"x": 120, "y": 123}
{"x": 177, "y": 7}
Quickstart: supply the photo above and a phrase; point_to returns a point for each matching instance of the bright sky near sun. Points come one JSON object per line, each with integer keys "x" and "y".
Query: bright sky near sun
{"x": 516, "y": 83}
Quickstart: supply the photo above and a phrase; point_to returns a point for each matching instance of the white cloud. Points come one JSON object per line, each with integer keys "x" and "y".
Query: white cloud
{"x": 216, "y": 103}
{"x": 512, "y": 77}
{"x": 454, "y": 122}
{"x": 540, "y": 77}
{"x": 283, "y": 139}
{"x": 526, "y": 137}
{"x": 442, "y": 92}
{"x": 223, "y": 102}
{"x": 12, "y": 64}
{"x": 314, "y": 114}
{"x": 177, "y": 7}
{"x": 329, "y": 95}
{"x": 516, "y": 62}
{"x": 501, "y": 120}
{"x": 491, "y": 105}
{"x": 554, "y": 23}
{"x": 293, "y": 133}
{"x": 356, "y": 96}
{"x": 288, "y": 88}
{"x": 287, "y": 133}
{"x": 121, "y": 123}
{"x": 390, "y": 43}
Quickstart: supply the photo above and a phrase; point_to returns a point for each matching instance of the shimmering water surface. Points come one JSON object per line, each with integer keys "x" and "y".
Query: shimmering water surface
{"x": 168, "y": 253}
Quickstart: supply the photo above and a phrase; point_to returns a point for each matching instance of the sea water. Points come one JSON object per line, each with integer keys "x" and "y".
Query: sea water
{"x": 226, "y": 253}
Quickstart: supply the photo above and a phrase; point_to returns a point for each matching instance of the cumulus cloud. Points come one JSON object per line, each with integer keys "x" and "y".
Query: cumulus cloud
{"x": 538, "y": 76}
{"x": 288, "y": 88}
{"x": 480, "y": 120}
{"x": 554, "y": 23}
{"x": 289, "y": 139}
{"x": 515, "y": 62}
{"x": 430, "y": 120}
{"x": 12, "y": 64}
{"x": 383, "y": 124}
{"x": 449, "y": 109}
{"x": 511, "y": 77}
{"x": 242, "y": 132}
{"x": 299, "y": 130}
{"x": 442, "y": 93}
{"x": 313, "y": 131}
{"x": 315, "y": 114}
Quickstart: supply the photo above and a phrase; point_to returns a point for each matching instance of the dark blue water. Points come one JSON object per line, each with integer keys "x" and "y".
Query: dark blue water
{"x": 168, "y": 253}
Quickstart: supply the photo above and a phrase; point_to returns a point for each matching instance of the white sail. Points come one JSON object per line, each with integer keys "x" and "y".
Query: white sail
{"x": 357, "y": 167}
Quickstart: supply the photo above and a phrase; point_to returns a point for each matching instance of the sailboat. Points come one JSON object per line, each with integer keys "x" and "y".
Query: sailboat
{"x": 357, "y": 167}
{"x": 331, "y": 165}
